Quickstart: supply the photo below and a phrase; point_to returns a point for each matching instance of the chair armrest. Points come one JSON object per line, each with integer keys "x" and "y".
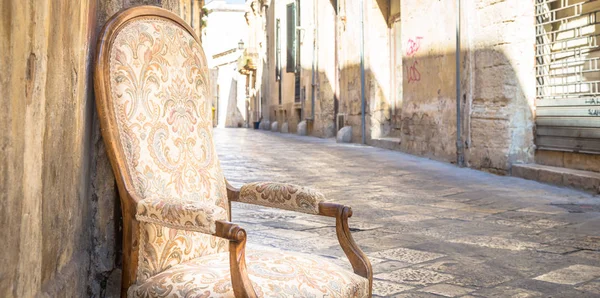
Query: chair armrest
{"x": 358, "y": 259}
{"x": 281, "y": 195}
{"x": 181, "y": 214}
{"x": 287, "y": 196}
{"x": 207, "y": 219}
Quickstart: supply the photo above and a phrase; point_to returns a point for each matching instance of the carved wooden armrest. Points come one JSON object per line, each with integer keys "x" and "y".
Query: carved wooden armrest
{"x": 281, "y": 195}
{"x": 359, "y": 260}
{"x": 207, "y": 219}
{"x": 301, "y": 199}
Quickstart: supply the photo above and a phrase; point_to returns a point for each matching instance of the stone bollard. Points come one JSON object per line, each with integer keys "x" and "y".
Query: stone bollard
{"x": 265, "y": 125}
{"x": 274, "y": 127}
{"x": 344, "y": 135}
{"x": 284, "y": 127}
{"x": 302, "y": 128}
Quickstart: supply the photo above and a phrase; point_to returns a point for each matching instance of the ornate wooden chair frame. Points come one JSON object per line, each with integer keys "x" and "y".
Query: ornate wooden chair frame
{"x": 236, "y": 235}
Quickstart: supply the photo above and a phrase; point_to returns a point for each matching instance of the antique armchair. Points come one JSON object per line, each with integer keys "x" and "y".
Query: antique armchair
{"x": 152, "y": 95}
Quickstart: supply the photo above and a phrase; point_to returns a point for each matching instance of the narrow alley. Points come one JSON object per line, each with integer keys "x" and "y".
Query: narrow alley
{"x": 464, "y": 135}
{"x": 429, "y": 228}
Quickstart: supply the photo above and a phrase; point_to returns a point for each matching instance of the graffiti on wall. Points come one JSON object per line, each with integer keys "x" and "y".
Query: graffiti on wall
{"x": 412, "y": 47}
{"x": 412, "y": 73}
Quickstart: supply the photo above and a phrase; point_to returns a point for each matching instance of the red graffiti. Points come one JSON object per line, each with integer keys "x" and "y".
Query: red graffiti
{"x": 413, "y": 73}
{"x": 413, "y": 46}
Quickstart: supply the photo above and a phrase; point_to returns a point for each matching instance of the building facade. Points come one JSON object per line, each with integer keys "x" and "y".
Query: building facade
{"x": 223, "y": 40}
{"x": 388, "y": 69}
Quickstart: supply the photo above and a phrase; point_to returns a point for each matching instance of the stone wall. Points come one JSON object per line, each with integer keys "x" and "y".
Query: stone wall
{"x": 429, "y": 106}
{"x": 59, "y": 207}
{"x": 498, "y": 83}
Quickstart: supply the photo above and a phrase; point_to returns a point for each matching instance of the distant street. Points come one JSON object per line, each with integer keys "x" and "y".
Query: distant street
{"x": 430, "y": 229}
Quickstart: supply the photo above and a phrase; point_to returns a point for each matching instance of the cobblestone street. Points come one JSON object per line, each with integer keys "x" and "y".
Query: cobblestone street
{"x": 430, "y": 229}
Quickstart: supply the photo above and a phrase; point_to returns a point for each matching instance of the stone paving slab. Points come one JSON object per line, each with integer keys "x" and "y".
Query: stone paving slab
{"x": 430, "y": 229}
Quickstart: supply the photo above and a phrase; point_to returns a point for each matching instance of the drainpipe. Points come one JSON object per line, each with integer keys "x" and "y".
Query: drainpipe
{"x": 362, "y": 72}
{"x": 314, "y": 62}
{"x": 459, "y": 144}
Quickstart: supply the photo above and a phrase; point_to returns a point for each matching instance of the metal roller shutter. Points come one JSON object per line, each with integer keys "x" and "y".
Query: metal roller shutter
{"x": 568, "y": 75}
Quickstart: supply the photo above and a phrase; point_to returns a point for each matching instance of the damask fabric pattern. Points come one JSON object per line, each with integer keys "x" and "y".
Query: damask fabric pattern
{"x": 160, "y": 90}
{"x": 179, "y": 214}
{"x": 282, "y": 195}
{"x": 162, "y": 248}
{"x": 273, "y": 274}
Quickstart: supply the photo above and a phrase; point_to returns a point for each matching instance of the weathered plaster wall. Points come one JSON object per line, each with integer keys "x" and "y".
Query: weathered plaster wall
{"x": 324, "y": 122}
{"x": 58, "y": 203}
{"x": 45, "y": 124}
{"x": 429, "y": 107}
{"x": 349, "y": 66}
{"x": 376, "y": 64}
{"x": 499, "y": 83}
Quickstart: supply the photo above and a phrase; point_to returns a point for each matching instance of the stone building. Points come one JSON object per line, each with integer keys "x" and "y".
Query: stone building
{"x": 223, "y": 39}
{"x": 59, "y": 208}
{"x": 389, "y": 68}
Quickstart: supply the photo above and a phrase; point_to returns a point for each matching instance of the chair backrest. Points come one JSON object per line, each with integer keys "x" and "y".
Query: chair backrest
{"x": 153, "y": 99}
{"x": 158, "y": 110}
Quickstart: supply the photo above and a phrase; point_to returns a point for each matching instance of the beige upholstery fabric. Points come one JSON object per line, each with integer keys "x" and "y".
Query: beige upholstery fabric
{"x": 273, "y": 274}
{"x": 160, "y": 92}
{"x": 282, "y": 195}
{"x": 162, "y": 247}
{"x": 180, "y": 214}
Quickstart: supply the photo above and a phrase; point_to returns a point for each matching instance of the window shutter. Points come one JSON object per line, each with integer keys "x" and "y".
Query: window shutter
{"x": 291, "y": 37}
{"x": 278, "y": 52}
{"x": 568, "y": 76}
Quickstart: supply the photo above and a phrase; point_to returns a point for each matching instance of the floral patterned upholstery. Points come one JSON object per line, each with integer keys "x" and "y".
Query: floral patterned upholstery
{"x": 179, "y": 214}
{"x": 162, "y": 247}
{"x": 282, "y": 195}
{"x": 273, "y": 274}
{"x": 160, "y": 90}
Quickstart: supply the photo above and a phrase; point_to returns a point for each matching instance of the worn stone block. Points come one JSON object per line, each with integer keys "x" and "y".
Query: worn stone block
{"x": 407, "y": 255}
{"x": 550, "y": 177}
{"x": 274, "y": 126}
{"x": 414, "y": 276}
{"x": 384, "y": 288}
{"x": 571, "y": 275}
{"x": 265, "y": 125}
{"x": 525, "y": 172}
{"x": 344, "y": 135}
{"x": 301, "y": 131}
{"x": 584, "y": 180}
{"x": 285, "y": 127}
{"x": 447, "y": 290}
{"x": 589, "y": 182}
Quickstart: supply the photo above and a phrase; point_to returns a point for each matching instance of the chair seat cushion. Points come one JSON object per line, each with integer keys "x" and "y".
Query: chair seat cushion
{"x": 274, "y": 273}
